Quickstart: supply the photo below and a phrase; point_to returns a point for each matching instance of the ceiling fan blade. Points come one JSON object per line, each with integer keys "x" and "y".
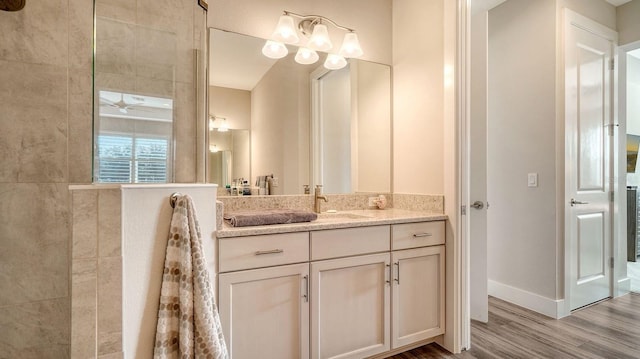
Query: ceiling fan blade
{"x": 106, "y": 101}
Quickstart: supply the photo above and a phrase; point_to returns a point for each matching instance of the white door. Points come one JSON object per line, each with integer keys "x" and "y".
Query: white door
{"x": 478, "y": 277}
{"x": 331, "y": 129}
{"x": 418, "y": 295}
{"x": 588, "y": 116}
{"x": 350, "y": 307}
{"x": 265, "y": 312}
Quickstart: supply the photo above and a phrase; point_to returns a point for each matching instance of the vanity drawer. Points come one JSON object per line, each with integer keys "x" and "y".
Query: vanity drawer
{"x": 413, "y": 235}
{"x": 262, "y": 251}
{"x": 335, "y": 243}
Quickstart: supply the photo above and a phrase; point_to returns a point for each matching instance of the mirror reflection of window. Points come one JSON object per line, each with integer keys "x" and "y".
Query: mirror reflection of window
{"x": 133, "y": 138}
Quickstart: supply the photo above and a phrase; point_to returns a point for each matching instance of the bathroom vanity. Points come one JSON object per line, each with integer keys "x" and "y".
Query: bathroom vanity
{"x": 356, "y": 284}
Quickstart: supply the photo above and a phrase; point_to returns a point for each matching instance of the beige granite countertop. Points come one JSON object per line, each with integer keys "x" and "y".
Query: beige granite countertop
{"x": 341, "y": 219}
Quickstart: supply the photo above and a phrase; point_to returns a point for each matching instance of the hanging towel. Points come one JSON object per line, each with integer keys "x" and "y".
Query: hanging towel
{"x": 188, "y": 321}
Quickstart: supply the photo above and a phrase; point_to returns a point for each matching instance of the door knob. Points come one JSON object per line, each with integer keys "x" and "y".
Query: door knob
{"x": 478, "y": 205}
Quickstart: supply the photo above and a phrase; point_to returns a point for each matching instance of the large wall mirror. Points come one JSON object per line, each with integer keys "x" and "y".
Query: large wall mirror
{"x": 300, "y": 124}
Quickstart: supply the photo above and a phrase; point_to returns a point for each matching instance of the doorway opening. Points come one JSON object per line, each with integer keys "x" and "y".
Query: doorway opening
{"x": 630, "y": 109}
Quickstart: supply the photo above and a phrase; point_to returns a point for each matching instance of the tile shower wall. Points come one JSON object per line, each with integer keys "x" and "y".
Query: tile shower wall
{"x": 45, "y": 144}
{"x": 96, "y": 274}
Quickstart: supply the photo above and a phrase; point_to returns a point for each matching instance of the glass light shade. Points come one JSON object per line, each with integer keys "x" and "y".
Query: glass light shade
{"x": 306, "y": 56}
{"x": 274, "y": 50}
{"x": 319, "y": 40}
{"x": 286, "y": 31}
{"x": 335, "y": 62}
{"x": 350, "y": 46}
{"x": 223, "y": 126}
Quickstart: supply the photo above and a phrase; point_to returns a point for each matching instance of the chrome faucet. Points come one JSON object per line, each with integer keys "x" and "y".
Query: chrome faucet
{"x": 318, "y": 195}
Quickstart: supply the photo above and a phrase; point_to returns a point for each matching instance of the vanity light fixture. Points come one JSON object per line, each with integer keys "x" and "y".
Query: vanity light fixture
{"x": 313, "y": 28}
{"x": 222, "y": 124}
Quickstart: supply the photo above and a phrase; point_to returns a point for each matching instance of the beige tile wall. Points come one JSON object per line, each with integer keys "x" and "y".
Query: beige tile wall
{"x": 45, "y": 144}
{"x": 96, "y": 312}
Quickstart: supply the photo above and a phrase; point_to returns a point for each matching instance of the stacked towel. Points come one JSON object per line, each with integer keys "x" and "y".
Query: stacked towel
{"x": 268, "y": 216}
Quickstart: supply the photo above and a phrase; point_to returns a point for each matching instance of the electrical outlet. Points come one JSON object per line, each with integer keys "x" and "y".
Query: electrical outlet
{"x": 372, "y": 201}
{"x": 275, "y": 182}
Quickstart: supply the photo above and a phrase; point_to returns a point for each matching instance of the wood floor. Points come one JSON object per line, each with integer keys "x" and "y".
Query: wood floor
{"x": 610, "y": 329}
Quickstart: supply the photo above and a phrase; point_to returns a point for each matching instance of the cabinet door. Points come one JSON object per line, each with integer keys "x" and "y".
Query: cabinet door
{"x": 265, "y": 312}
{"x": 418, "y": 294}
{"x": 350, "y": 307}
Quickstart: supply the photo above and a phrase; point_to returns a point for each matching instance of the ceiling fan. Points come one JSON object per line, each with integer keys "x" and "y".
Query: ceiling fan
{"x": 121, "y": 104}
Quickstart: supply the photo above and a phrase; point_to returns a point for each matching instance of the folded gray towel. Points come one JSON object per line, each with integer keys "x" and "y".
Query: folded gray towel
{"x": 268, "y": 216}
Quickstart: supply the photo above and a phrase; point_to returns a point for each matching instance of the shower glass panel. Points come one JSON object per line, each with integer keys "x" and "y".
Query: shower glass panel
{"x": 148, "y": 90}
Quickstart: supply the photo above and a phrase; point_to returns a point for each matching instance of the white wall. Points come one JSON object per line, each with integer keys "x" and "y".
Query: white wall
{"x": 232, "y": 104}
{"x": 280, "y": 126}
{"x": 633, "y": 94}
{"x": 418, "y": 97}
{"x": 521, "y": 128}
{"x": 628, "y": 23}
{"x": 146, "y": 217}
{"x": 370, "y": 18}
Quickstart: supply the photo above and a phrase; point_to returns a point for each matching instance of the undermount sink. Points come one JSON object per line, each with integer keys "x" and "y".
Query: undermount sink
{"x": 339, "y": 216}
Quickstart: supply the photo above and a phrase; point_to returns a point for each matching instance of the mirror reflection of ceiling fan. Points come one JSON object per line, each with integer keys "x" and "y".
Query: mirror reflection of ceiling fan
{"x": 122, "y": 105}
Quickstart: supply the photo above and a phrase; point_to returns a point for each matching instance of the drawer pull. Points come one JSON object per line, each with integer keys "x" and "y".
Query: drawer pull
{"x": 418, "y": 235}
{"x": 273, "y": 251}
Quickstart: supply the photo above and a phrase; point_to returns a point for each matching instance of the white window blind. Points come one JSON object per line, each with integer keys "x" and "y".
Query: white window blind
{"x": 132, "y": 159}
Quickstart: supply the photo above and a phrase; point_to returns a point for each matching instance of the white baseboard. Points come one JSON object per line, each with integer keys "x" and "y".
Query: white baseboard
{"x": 624, "y": 287}
{"x": 550, "y": 307}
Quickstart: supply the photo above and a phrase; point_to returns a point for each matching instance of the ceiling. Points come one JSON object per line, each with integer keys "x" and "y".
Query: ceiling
{"x": 236, "y": 61}
{"x": 484, "y": 5}
{"x": 617, "y": 2}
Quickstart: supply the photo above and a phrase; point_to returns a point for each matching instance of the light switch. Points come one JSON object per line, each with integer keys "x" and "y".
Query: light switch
{"x": 532, "y": 180}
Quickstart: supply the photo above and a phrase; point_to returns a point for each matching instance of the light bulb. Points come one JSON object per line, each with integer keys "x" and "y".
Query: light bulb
{"x": 223, "y": 126}
{"x": 213, "y": 148}
{"x": 306, "y": 56}
{"x": 286, "y": 31}
{"x": 335, "y": 62}
{"x": 319, "y": 40}
{"x": 274, "y": 50}
{"x": 350, "y": 46}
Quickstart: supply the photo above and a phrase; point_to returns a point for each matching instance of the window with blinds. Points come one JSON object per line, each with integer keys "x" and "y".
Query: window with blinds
{"x": 132, "y": 159}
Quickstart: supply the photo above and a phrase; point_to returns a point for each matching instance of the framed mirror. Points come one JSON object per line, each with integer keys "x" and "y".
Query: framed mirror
{"x": 306, "y": 125}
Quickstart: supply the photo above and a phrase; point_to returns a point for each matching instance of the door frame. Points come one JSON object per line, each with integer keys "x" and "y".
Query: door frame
{"x": 570, "y": 17}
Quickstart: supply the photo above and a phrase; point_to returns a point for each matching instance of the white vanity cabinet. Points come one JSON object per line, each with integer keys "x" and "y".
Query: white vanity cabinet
{"x": 350, "y": 296}
{"x": 338, "y": 293}
{"x": 418, "y": 282}
{"x": 265, "y": 312}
